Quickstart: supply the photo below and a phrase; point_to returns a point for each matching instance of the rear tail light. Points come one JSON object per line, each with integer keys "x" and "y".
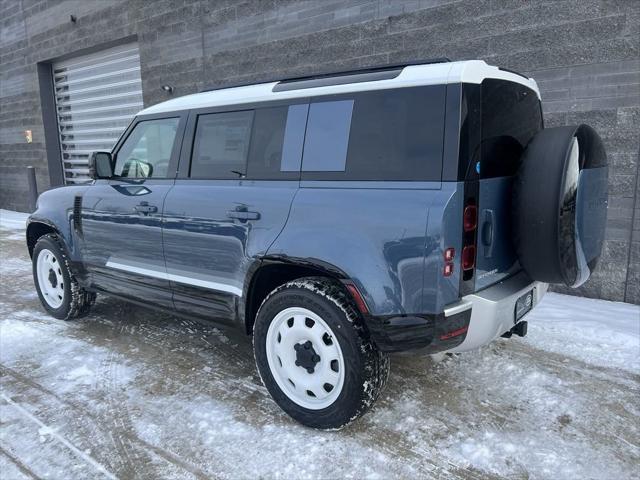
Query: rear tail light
{"x": 468, "y": 257}
{"x": 470, "y": 218}
{"x": 449, "y": 253}
{"x": 448, "y": 269}
{"x": 469, "y": 227}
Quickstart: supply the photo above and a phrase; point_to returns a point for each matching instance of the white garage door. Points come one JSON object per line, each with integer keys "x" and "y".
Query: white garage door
{"x": 96, "y": 95}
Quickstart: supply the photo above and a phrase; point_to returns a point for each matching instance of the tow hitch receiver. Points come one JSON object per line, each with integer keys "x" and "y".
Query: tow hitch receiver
{"x": 519, "y": 329}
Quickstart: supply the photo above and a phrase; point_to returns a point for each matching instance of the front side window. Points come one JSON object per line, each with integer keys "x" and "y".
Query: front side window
{"x": 147, "y": 150}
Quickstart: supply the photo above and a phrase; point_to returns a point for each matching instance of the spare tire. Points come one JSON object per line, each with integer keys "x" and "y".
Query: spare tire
{"x": 560, "y": 205}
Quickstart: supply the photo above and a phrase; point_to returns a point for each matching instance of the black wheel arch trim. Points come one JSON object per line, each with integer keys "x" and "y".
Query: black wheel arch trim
{"x": 246, "y": 310}
{"x": 77, "y": 268}
{"x": 32, "y": 222}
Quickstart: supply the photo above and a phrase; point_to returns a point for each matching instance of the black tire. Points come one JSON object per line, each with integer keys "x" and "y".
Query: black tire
{"x": 76, "y": 301}
{"x": 366, "y": 368}
{"x": 559, "y": 234}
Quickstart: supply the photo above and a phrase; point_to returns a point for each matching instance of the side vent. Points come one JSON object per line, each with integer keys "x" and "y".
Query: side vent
{"x": 77, "y": 214}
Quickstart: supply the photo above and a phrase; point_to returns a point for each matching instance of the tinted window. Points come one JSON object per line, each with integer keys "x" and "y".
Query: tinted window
{"x": 276, "y": 142}
{"x": 511, "y": 116}
{"x": 147, "y": 150}
{"x": 394, "y": 135}
{"x": 327, "y": 136}
{"x": 221, "y": 145}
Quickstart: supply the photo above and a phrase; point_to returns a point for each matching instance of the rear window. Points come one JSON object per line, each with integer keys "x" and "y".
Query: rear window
{"x": 393, "y": 135}
{"x": 511, "y": 116}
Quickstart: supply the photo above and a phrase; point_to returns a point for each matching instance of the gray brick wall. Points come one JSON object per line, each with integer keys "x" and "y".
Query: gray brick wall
{"x": 584, "y": 54}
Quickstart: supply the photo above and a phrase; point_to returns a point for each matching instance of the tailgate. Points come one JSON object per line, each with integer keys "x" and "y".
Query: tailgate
{"x": 496, "y": 258}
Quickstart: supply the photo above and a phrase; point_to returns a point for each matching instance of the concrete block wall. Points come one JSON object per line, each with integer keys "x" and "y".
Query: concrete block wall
{"x": 585, "y": 55}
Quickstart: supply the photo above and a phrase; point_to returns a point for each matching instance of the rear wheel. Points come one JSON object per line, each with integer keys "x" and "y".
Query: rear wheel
{"x": 58, "y": 290}
{"x": 314, "y": 356}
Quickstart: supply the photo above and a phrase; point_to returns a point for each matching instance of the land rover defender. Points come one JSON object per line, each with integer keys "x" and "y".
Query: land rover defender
{"x": 335, "y": 219}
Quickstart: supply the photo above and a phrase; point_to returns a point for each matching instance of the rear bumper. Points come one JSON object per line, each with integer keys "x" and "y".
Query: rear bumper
{"x": 492, "y": 310}
{"x": 421, "y": 333}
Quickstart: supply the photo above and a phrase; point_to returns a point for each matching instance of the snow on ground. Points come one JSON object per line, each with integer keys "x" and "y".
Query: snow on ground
{"x": 14, "y": 223}
{"x": 13, "y": 220}
{"x": 131, "y": 393}
{"x": 595, "y": 331}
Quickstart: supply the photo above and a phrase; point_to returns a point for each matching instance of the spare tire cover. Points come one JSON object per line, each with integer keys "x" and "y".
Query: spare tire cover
{"x": 560, "y": 205}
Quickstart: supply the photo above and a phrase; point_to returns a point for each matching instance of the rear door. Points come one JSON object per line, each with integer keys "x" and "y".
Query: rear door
{"x": 511, "y": 116}
{"x": 121, "y": 235}
{"x": 371, "y": 175}
{"x": 239, "y": 172}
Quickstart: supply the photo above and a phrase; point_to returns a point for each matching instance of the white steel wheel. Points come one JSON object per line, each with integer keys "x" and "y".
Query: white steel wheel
{"x": 50, "y": 279}
{"x": 305, "y": 358}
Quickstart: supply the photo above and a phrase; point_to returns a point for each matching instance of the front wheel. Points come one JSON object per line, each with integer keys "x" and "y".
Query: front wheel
{"x": 314, "y": 356}
{"x": 59, "y": 292}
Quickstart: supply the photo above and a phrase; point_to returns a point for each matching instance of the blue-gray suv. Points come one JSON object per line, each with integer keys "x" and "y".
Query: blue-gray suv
{"x": 335, "y": 218}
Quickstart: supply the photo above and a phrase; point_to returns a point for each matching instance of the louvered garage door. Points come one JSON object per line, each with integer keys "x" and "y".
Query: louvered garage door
{"x": 97, "y": 95}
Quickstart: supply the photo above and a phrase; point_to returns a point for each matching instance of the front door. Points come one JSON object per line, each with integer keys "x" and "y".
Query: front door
{"x": 121, "y": 233}
{"x": 239, "y": 173}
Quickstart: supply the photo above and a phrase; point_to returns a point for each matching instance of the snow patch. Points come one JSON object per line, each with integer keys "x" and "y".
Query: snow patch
{"x": 13, "y": 220}
{"x": 597, "y": 332}
{"x": 82, "y": 373}
{"x": 76, "y": 363}
{"x": 45, "y": 432}
{"x": 238, "y": 444}
{"x": 512, "y": 453}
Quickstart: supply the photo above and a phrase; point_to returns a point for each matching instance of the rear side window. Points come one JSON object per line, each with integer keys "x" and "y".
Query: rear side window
{"x": 221, "y": 145}
{"x": 277, "y": 142}
{"x": 327, "y": 138}
{"x": 511, "y": 116}
{"x": 394, "y": 135}
{"x": 261, "y": 144}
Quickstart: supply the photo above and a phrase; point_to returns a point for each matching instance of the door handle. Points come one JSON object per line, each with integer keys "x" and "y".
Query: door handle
{"x": 243, "y": 215}
{"x": 145, "y": 208}
{"x": 488, "y": 233}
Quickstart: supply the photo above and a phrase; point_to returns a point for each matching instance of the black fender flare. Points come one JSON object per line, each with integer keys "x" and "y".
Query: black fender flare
{"x": 301, "y": 267}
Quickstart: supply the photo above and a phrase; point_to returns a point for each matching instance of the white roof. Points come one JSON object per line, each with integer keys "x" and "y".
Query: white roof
{"x": 471, "y": 71}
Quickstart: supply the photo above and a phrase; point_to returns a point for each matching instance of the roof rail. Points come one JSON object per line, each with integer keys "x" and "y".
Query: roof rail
{"x": 375, "y": 69}
{"x": 371, "y": 69}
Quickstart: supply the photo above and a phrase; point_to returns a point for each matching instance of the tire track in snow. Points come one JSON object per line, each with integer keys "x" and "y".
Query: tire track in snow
{"x": 134, "y": 440}
{"x": 19, "y": 465}
{"x": 590, "y": 381}
{"x": 122, "y": 445}
{"x": 77, "y": 452}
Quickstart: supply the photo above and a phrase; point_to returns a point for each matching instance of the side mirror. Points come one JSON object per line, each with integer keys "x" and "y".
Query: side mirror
{"x": 100, "y": 165}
